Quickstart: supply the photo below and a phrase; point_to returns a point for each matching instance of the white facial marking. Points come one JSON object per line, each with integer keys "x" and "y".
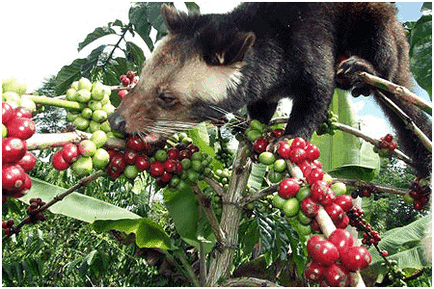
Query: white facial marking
{"x": 209, "y": 83}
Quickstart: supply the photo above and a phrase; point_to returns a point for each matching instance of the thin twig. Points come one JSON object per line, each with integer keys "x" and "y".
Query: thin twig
{"x": 215, "y": 186}
{"x": 122, "y": 36}
{"x": 351, "y": 130}
{"x": 407, "y": 120}
{"x": 360, "y": 183}
{"x": 259, "y": 195}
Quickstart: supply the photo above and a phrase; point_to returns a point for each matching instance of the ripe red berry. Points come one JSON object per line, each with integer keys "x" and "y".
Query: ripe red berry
{"x": 260, "y": 145}
{"x": 278, "y": 132}
{"x": 130, "y": 156}
{"x": 345, "y": 202}
{"x": 298, "y": 142}
{"x": 318, "y": 191}
{"x": 157, "y": 169}
{"x": 21, "y": 127}
{"x": 317, "y": 164}
{"x": 356, "y": 258}
{"x": 297, "y": 155}
{"x": 117, "y": 163}
{"x": 315, "y": 175}
{"x": 70, "y": 152}
{"x": 142, "y": 162}
{"x": 166, "y": 177}
{"x": 27, "y": 162}
{"x": 388, "y": 138}
{"x": 283, "y": 149}
{"x": 342, "y": 239}
{"x": 126, "y": 81}
{"x": 173, "y": 154}
{"x": 315, "y": 239}
{"x": 315, "y": 226}
{"x": 58, "y": 162}
{"x": 13, "y": 149}
{"x": 135, "y": 143}
{"x": 342, "y": 224}
{"x": 13, "y": 177}
{"x": 337, "y": 276}
{"x": 23, "y": 112}
{"x": 193, "y": 148}
{"x": 131, "y": 75}
{"x": 325, "y": 253}
{"x": 418, "y": 205}
{"x": 122, "y": 93}
{"x": 312, "y": 152}
{"x": 309, "y": 207}
{"x": 385, "y": 253}
{"x": 335, "y": 212}
{"x": 314, "y": 272}
{"x": 170, "y": 165}
{"x": 288, "y": 188}
{"x": 8, "y": 113}
{"x": 185, "y": 154}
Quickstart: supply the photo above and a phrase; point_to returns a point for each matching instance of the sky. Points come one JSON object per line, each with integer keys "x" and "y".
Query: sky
{"x": 40, "y": 37}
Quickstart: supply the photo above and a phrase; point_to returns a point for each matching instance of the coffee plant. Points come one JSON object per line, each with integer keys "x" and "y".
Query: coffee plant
{"x": 233, "y": 203}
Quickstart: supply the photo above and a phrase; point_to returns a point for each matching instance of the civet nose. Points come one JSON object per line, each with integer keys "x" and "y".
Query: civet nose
{"x": 117, "y": 122}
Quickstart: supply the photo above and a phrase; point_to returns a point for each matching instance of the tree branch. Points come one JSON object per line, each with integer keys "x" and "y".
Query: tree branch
{"x": 399, "y": 91}
{"x": 259, "y": 195}
{"x": 209, "y": 212}
{"x": 231, "y": 215}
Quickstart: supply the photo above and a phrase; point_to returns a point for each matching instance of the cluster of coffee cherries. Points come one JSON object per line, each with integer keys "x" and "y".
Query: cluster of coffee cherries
{"x": 95, "y": 106}
{"x": 8, "y": 227}
{"x": 83, "y": 157}
{"x": 419, "y": 194}
{"x": 17, "y": 127}
{"x": 127, "y": 79}
{"x": 370, "y": 236}
{"x": 34, "y": 212}
{"x": 170, "y": 165}
{"x": 367, "y": 191}
{"x": 386, "y": 146}
{"x": 299, "y": 198}
{"x": 333, "y": 259}
{"x": 327, "y": 127}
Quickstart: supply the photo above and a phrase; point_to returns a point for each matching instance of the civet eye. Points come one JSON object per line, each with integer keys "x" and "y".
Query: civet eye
{"x": 166, "y": 99}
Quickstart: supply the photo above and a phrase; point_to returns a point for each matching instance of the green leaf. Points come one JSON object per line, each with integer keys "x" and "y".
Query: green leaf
{"x": 93, "y": 59}
{"x": 147, "y": 232}
{"x": 421, "y": 51}
{"x": 249, "y": 236}
{"x": 345, "y": 155}
{"x": 117, "y": 22}
{"x": 183, "y": 208}
{"x": 192, "y": 7}
{"x": 155, "y": 17}
{"x": 75, "y": 205}
{"x": 68, "y": 74}
{"x": 403, "y": 245}
{"x": 257, "y": 175}
{"x": 135, "y": 54}
{"x": 96, "y": 34}
{"x": 139, "y": 18}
